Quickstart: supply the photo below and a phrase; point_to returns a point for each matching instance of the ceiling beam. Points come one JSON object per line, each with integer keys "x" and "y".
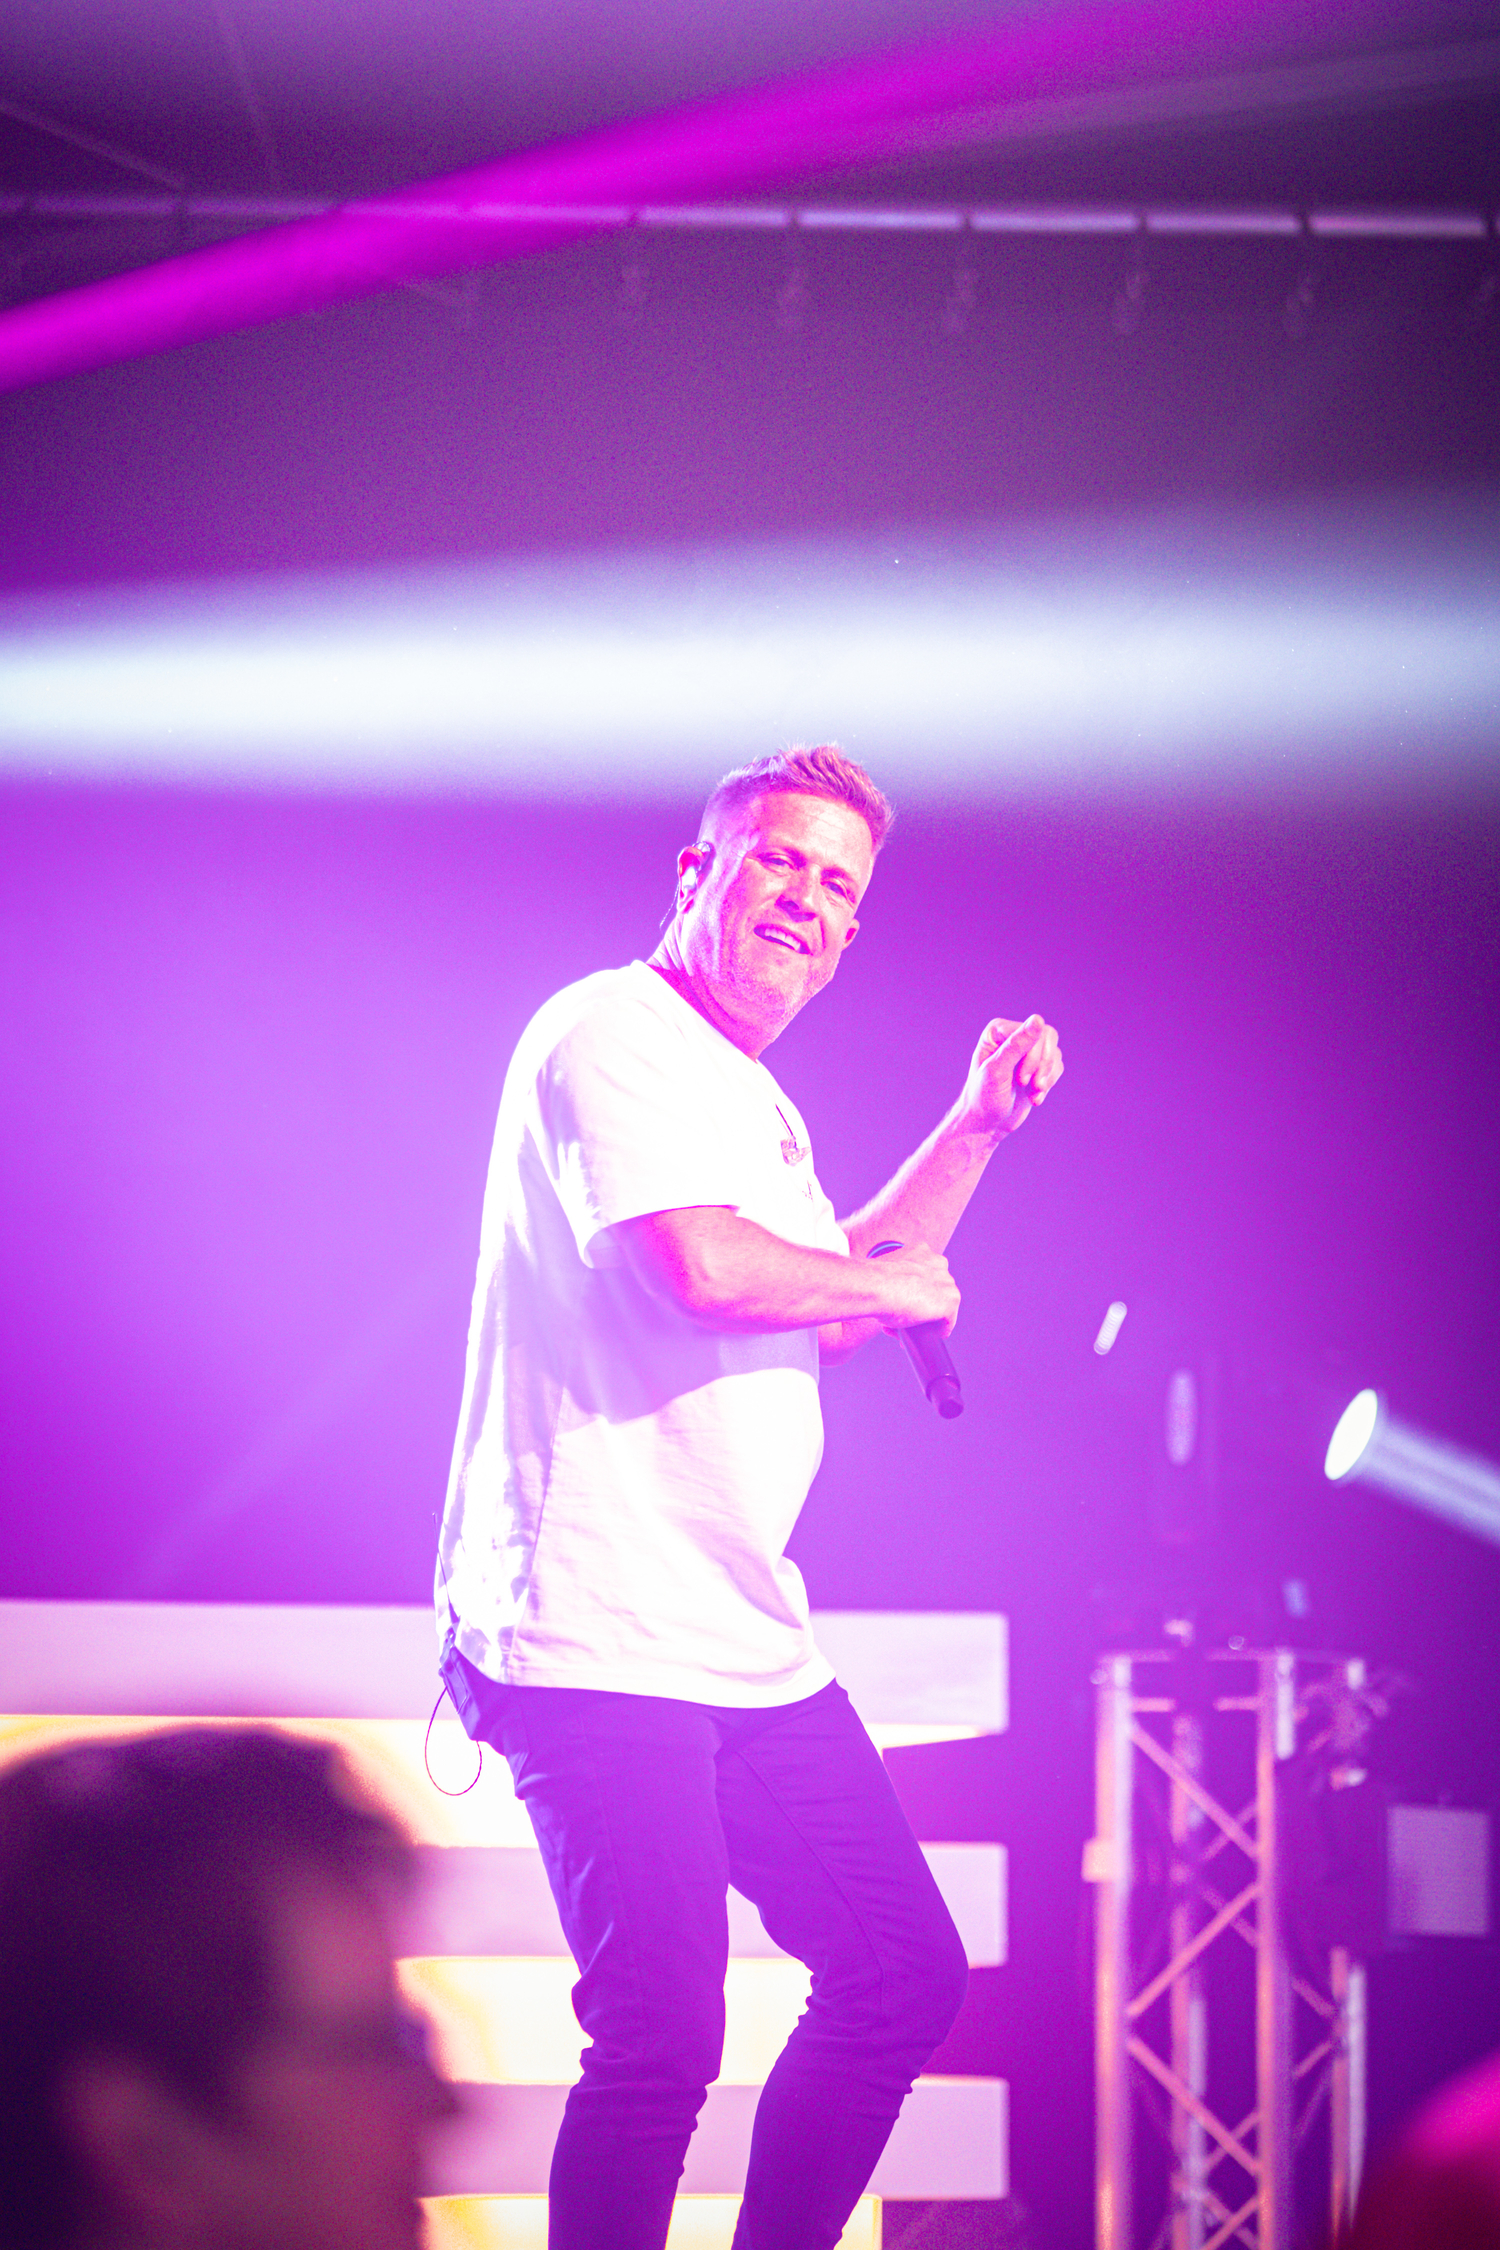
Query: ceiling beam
{"x": 874, "y": 110}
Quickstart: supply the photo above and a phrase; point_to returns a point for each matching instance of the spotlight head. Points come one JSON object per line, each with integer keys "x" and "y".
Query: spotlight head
{"x": 1352, "y": 1435}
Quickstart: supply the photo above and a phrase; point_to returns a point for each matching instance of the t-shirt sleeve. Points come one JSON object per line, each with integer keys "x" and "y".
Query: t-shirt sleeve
{"x": 629, "y": 1125}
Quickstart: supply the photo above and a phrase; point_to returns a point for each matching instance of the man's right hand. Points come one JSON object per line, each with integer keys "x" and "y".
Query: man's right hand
{"x": 922, "y": 1288}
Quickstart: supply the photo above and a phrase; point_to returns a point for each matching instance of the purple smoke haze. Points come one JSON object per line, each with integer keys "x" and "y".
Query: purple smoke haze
{"x": 939, "y": 97}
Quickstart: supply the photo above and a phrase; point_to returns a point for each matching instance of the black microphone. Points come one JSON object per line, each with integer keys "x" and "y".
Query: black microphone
{"x": 927, "y": 1349}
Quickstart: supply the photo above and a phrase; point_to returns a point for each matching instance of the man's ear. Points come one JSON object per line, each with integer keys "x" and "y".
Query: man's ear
{"x": 692, "y": 866}
{"x": 141, "y": 2144}
{"x": 851, "y": 933}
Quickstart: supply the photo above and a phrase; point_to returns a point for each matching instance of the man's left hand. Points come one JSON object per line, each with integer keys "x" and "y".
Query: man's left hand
{"x": 1015, "y": 1067}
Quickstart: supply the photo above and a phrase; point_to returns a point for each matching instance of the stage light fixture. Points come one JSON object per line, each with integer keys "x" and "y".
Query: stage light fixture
{"x": 792, "y": 298}
{"x": 963, "y": 296}
{"x": 1351, "y": 1436}
{"x": 1300, "y": 305}
{"x": 1371, "y": 1445}
{"x": 630, "y": 298}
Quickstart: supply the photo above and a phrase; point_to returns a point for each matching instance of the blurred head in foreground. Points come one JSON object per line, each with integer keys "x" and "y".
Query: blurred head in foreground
{"x": 201, "y": 2046}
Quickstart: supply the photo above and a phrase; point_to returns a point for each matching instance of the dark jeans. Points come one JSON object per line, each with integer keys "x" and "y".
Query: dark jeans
{"x": 645, "y": 1810}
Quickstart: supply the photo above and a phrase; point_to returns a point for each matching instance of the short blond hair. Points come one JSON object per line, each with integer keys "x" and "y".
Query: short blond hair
{"x": 797, "y": 771}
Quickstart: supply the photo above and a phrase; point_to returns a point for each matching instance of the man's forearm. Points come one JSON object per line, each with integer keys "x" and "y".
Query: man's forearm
{"x": 741, "y": 1276}
{"x": 733, "y": 1274}
{"x": 928, "y": 1196}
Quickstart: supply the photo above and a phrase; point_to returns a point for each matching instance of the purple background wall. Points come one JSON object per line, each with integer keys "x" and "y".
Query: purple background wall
{"x": 549, "y": 415}
{"x": 254, "y": 1044}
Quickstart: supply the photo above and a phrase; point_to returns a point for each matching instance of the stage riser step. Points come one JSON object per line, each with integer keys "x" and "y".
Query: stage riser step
{"x": 519, "y": 2222}
{"x": 948, "y": 2142}
{"x": 932, "y": 1672}
{"x": 496, "y": 1901}
{"x": 482, "y": 1948}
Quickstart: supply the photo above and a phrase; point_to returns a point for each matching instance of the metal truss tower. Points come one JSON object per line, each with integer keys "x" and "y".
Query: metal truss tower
{"x": 1168, "y": 1721}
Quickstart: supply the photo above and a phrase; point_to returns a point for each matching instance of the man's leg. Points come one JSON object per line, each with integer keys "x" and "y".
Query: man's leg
{"x": 621, "y": 1793}
{"x": 818, "y": 1840}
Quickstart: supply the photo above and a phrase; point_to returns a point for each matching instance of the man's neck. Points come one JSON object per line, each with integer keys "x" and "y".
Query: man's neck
{"x": 671, "y": 968}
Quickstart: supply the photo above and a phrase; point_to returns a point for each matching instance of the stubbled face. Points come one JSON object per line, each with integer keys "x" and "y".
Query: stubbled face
{"x": 763, "y": 925}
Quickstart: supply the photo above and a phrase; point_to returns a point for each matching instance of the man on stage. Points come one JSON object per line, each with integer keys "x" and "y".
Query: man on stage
{"x": 660, "y": 1278}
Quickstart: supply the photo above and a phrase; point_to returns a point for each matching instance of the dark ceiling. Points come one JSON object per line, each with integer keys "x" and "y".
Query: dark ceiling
{"x": 1393, "y": 105}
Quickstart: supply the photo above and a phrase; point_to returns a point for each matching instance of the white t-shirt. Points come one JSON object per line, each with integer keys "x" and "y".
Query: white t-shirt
{"x": 625, "y": 1479}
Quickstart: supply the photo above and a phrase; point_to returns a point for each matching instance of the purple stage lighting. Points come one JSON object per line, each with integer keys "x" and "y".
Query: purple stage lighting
{"x": 947, "y": 95}
{"x": 1372, "y": 1446}
{"x": 1126, "y": 649}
